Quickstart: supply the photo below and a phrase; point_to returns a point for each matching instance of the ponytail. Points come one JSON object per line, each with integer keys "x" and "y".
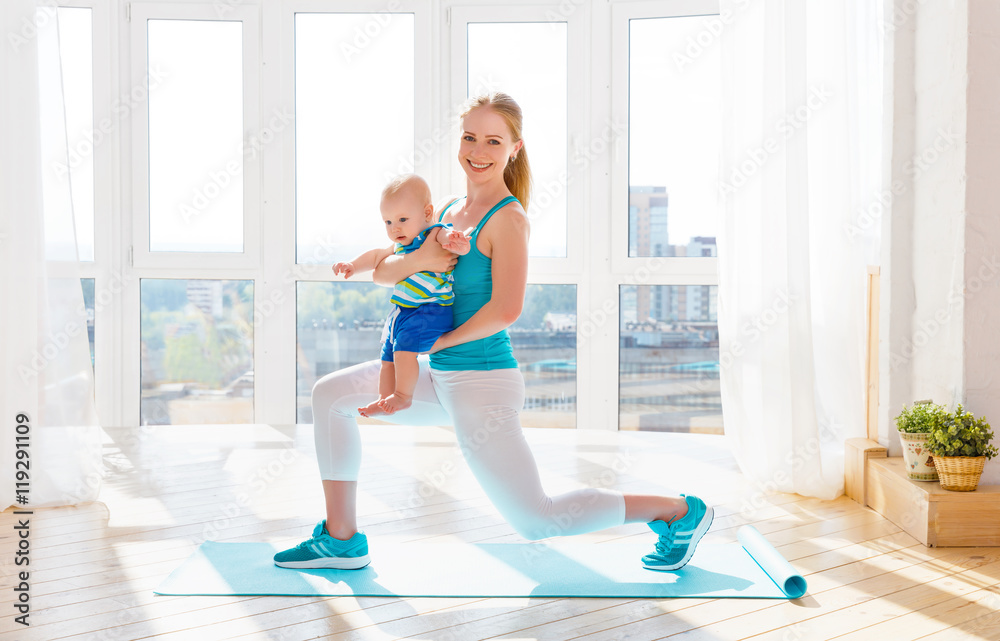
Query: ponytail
{"x": 517, "y": 177}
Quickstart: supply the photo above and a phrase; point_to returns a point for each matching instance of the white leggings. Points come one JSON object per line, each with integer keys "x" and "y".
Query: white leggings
{"x": 483, "y": 406}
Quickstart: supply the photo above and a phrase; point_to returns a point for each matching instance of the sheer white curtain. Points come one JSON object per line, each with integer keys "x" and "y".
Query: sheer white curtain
{"x": 801, "y": 163}
{"x": 47, "y": 376}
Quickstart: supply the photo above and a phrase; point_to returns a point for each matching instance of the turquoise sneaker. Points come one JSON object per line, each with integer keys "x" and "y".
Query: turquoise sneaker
{"x": 679, "y": 537}
{"x": 324, "y": 551}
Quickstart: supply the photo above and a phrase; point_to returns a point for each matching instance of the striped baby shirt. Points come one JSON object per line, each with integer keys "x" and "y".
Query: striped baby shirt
{"x": 423, "y": 287}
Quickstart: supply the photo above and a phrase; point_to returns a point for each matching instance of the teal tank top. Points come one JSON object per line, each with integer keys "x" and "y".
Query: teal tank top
{"x": 473, "y": 288}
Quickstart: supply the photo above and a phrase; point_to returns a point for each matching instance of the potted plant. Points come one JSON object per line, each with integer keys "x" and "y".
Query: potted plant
{"x": 915, "y": 425}
{"x": 961, "y": 446}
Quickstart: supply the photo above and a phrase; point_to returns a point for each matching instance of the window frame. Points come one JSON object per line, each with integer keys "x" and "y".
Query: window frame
{"x": 283, "y": 274}
{"x": 626, "y": 270}
{"x": 541, "y": 270}
{"x": 141, "y": 255}
{"x": 597, "y": 195}
{"x": 424, "y": 105}
{"x": 104, "y": 270}
{"x": 686, "y": 270}
{"x": 573, "y": 268}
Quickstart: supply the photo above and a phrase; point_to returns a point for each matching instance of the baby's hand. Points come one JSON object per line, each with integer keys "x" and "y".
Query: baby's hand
{"x": 457, "y": 242}
{"x": 347, "y": 269}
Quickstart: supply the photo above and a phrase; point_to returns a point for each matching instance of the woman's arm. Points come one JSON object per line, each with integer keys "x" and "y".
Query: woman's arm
{"x": 508, "y": 245}
{"x": 429, "y": 257}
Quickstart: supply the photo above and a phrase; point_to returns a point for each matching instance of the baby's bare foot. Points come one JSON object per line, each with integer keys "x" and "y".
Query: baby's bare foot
{"x": 395, "y": 402}
{"x": 372, "y": 409}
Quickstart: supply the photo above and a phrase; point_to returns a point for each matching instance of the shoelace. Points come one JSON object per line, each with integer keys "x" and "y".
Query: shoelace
{"x": 664, "y": 547}
{"x": 302, "y": 546}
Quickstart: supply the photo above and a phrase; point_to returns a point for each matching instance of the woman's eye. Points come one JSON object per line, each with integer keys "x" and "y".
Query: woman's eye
{"x": 468, "y": 138}
{"x": 494, "y": 142}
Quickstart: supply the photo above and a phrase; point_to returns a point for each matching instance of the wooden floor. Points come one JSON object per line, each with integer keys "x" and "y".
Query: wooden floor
{"x": 94, "y": 567}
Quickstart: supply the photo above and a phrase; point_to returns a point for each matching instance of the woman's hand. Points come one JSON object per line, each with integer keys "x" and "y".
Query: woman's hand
{"x": 433, "y": 256}
{"x": 441, "y": 343}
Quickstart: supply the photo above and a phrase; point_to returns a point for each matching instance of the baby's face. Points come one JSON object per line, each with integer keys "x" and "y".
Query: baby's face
{"x": 404, "y": 216}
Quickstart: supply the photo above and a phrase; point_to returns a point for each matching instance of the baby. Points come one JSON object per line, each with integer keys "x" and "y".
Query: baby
{"x": 421, "y": 303}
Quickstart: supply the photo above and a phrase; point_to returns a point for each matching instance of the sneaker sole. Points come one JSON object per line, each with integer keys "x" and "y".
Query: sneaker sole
{"x": 706, "y": 522}
{"x": 327, "y": 563}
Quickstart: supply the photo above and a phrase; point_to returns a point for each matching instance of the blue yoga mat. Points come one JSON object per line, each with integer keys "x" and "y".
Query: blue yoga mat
{"x": 750, "y": 569}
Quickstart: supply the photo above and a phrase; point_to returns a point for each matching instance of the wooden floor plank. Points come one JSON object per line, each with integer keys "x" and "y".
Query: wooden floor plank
{"x": 973, "y": 612}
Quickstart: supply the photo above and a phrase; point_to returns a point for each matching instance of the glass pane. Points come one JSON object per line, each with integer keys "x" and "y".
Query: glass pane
{"x": 197, "y": 351}
{"x": 88, "y": 304}
{"x": 534, "y": 73}
{"x": 674, "y": 137}
{"x": 544, "y": 342}
{"x": 76, "y": 56}
{"x": 354, "y": 113}
{"x": 669, "y": 359}
{"x": 338, "y": 325}
{"x": 195, "y": 136}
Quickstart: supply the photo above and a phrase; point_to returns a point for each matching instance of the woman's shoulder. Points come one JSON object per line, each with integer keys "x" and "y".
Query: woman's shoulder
{"x": 509, "y": 220}
{"x": 512, "y": 213}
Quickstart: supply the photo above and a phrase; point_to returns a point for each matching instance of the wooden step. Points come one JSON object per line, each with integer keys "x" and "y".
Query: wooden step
{"x": 934, "y": 516}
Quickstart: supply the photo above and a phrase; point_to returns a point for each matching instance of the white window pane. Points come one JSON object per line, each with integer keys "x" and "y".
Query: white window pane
{"x": 338, "y": 325}
{"x": 534, "y": 73}
{"x": 544, "y": 342}
{"x": 354, "y": 114}
{"x": 196, "y": 136}
{"x": 674, "y": 137}
{"x": 76, "y": 55}
{"x": 669, "y": 359}
{"x": 196, "y": 351}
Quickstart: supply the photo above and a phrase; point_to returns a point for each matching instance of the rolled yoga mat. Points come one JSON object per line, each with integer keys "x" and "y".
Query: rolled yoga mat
{"x": 750, "y": 569}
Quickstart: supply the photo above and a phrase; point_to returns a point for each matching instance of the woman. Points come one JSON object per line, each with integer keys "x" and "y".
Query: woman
{"x": 472, "y": 381}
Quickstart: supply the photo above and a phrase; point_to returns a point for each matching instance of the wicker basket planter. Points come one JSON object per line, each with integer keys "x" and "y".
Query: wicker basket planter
{"x": 959, "y": 473}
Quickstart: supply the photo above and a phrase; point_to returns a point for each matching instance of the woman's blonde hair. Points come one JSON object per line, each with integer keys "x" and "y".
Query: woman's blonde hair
{"x": 517, "y": 174}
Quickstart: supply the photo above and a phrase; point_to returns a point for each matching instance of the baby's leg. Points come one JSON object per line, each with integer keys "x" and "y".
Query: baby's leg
{"x": 406, "y": 379}
{"x": 386, "y": 386}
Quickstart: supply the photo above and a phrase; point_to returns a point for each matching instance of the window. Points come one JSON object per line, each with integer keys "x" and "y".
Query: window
{"x": 312, "y": 105}
{"x": 669, "y": 359}
{"x": 665, "y": 212}
{"x": 197, "y": 351}
{"x": 674, "y": 116}
{"x": 76, "y": 57}
{"x": 354, "y": 127}
{"x": 87, "y": 284}
{"x": 197, "y": 135}
{"x": 544, "y": 342}
{"x": 337, "y": 325}
{"x": 534, "y": 73}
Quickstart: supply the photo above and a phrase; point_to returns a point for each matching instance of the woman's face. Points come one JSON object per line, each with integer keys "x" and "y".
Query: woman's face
{"x": 486, "y": 146}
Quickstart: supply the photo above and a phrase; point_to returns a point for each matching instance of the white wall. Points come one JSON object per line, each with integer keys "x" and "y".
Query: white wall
{"x": 982, "y": 224}
{"x": 939, "y": 273}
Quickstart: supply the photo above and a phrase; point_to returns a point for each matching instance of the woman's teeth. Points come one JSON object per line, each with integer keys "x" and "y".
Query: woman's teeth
{"x": 478, "y": 166}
